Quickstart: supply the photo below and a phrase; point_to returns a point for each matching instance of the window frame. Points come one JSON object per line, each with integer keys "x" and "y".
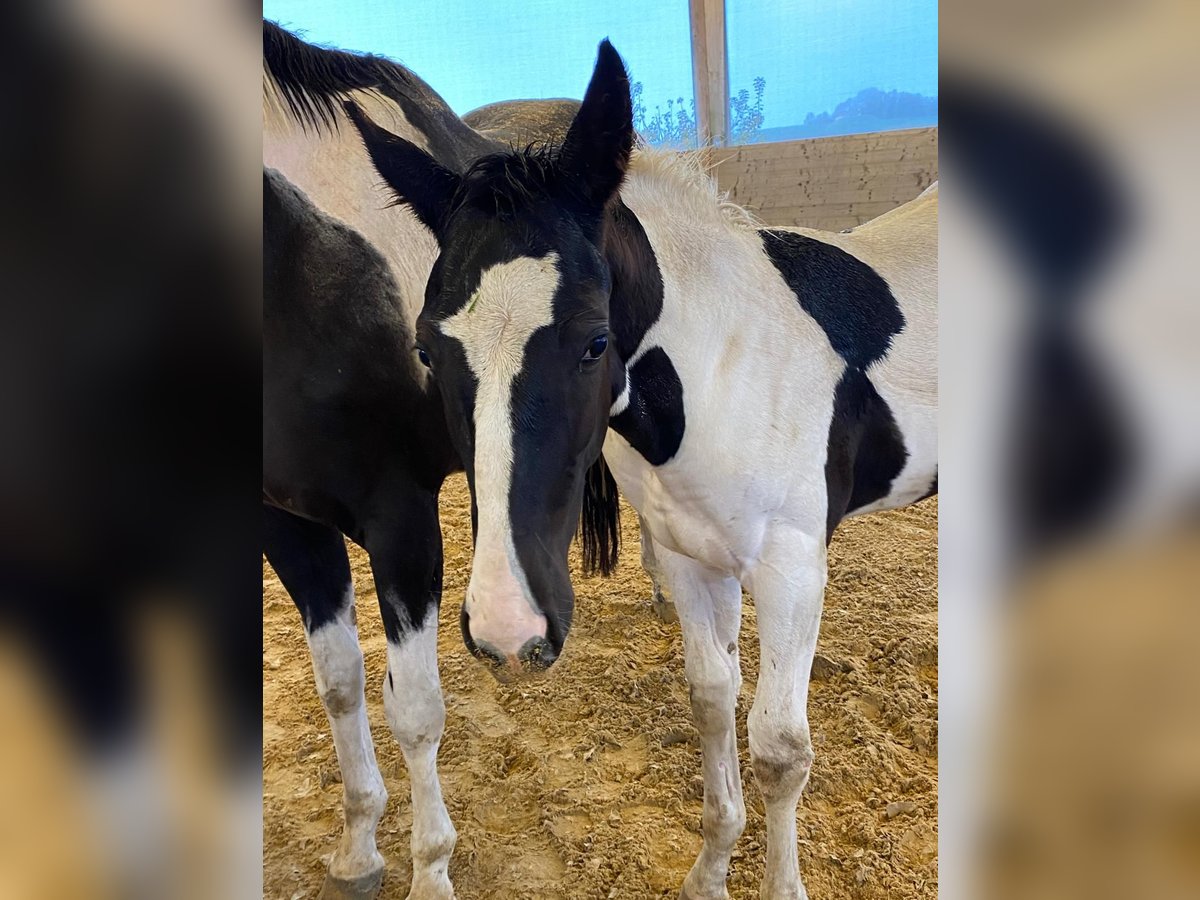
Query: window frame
{"x": 710, "y": 74}
{"x": 710, "y": 71}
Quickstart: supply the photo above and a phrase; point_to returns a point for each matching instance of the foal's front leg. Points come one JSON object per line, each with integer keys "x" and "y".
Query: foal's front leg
{"x": 788, "y": 588}
{"x": 408, "y": 578}
{"x": 311, "y": 561}
{"x": 412, "y": 700}
{"x": 709, "y": 605}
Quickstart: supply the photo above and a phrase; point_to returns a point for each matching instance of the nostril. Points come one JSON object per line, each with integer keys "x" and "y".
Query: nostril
{"x": 464, "y": 623}
{"x": 537, "y": 653}
{"x": 489, "y": 654}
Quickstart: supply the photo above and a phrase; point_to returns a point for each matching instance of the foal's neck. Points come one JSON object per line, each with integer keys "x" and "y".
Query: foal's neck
{"x": 678, "y": 256}
{"x": 637, "y": 287}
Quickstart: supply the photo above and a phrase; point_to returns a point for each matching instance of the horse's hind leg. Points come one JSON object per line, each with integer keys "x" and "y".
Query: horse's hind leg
{"x": 311, "y": 561}
{"x": 407, "y": 562}
{"x": 660, "y": 598}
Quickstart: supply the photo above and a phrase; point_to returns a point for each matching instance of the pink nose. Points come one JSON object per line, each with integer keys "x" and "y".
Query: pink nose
{"x": 510, "y": 651}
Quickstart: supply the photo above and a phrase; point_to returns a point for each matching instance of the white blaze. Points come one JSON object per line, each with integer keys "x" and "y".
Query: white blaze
{"x": 513, "y": 300}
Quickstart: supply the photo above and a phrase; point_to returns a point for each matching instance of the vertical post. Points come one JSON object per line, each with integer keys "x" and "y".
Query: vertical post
{"x": 710, "y": 74}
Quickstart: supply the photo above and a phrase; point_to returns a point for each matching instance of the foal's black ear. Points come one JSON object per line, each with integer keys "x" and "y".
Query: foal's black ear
{"x": 595, "y": 153}
{"x": 415, "y": 177}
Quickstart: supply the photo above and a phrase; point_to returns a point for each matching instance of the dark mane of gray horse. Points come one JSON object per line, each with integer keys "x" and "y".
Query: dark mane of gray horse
{"x": 313, "y": 82}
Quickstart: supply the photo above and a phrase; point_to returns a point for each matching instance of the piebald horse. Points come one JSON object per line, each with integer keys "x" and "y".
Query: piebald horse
{"x": 354, "y": 437}
{"x": 748, "y": 387}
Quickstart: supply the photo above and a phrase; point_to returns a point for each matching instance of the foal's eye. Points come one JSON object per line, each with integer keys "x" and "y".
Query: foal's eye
{"x": 423, "y": 356}
{"x": 596, "y": 348}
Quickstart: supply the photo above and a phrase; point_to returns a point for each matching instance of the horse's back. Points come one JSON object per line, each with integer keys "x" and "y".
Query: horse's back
{"x": 901, "y": 246}
{"x": 521, "y": 122}
{"x": 905, "y": 237}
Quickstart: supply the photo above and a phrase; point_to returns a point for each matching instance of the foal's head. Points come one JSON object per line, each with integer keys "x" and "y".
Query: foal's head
{"x": 515, "y": 330}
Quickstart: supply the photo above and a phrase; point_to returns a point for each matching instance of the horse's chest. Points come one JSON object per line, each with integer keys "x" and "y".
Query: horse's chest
{"x": 703, "y": 518}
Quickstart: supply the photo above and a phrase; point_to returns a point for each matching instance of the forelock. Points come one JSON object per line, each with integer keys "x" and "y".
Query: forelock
{"x": 504, "y": 184}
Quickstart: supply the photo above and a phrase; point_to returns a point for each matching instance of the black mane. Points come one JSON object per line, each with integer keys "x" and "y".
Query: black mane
{"x": 502, "y": 184}
{"x": 312, "y": 79}
{"x": 315, "y": 80}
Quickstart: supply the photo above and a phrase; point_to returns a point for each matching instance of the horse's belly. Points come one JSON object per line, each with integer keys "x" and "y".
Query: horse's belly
{"x": 917, "y": 424}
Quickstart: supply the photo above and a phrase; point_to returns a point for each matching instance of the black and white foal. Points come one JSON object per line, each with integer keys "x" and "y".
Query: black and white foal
{"x": 749, "y": 389}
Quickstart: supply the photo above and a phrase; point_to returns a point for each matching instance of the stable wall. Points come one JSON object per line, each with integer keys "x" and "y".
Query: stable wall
{"x": 829, "y": 183}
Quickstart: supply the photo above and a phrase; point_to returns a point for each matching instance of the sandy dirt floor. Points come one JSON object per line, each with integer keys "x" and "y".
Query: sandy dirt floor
{"x": 587, "y": 784}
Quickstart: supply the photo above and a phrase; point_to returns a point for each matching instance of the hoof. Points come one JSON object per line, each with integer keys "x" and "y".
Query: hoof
{"x": 790, "y": 892}
{"x": 428, "y": 889}
{"x": 685, "y": 894}
{"x": 663, "y": 608}
{"x": 365, "y": 887}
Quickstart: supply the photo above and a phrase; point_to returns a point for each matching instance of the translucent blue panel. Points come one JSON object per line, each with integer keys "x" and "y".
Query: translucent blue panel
{"x": 814, "y": 68}
{"x": 479, "y": 51}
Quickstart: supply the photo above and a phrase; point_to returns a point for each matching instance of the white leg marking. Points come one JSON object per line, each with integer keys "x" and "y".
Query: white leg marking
{"x": 788, "y": 587}
{"x": 709, "y": 606}
{"x": 338, "y": 666}
{"x": 412, "y": 699}
{"x": 166, "y": 823}
{"x": 513, "y": 300}
{"x": 129, "y": 793}
{"x": 243, "y": 818}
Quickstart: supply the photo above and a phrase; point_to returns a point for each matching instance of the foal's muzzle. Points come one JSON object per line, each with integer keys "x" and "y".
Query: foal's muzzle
{"x": 534, "y": 656}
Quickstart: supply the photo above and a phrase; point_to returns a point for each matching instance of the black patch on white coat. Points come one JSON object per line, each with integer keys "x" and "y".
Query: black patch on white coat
{"x": 858, "y": 313}
{"x": 849, "y": 300}
{"x": 653, "y": 422}
{"x": 636, "y": 298}
{"x": 866, "y": 451}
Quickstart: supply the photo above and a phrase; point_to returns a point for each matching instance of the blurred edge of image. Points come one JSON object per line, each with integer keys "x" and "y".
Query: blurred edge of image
{"x": 129, "y": 365}
{"x": 129, "y": 618}
{"x": 1070, "y": 686}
